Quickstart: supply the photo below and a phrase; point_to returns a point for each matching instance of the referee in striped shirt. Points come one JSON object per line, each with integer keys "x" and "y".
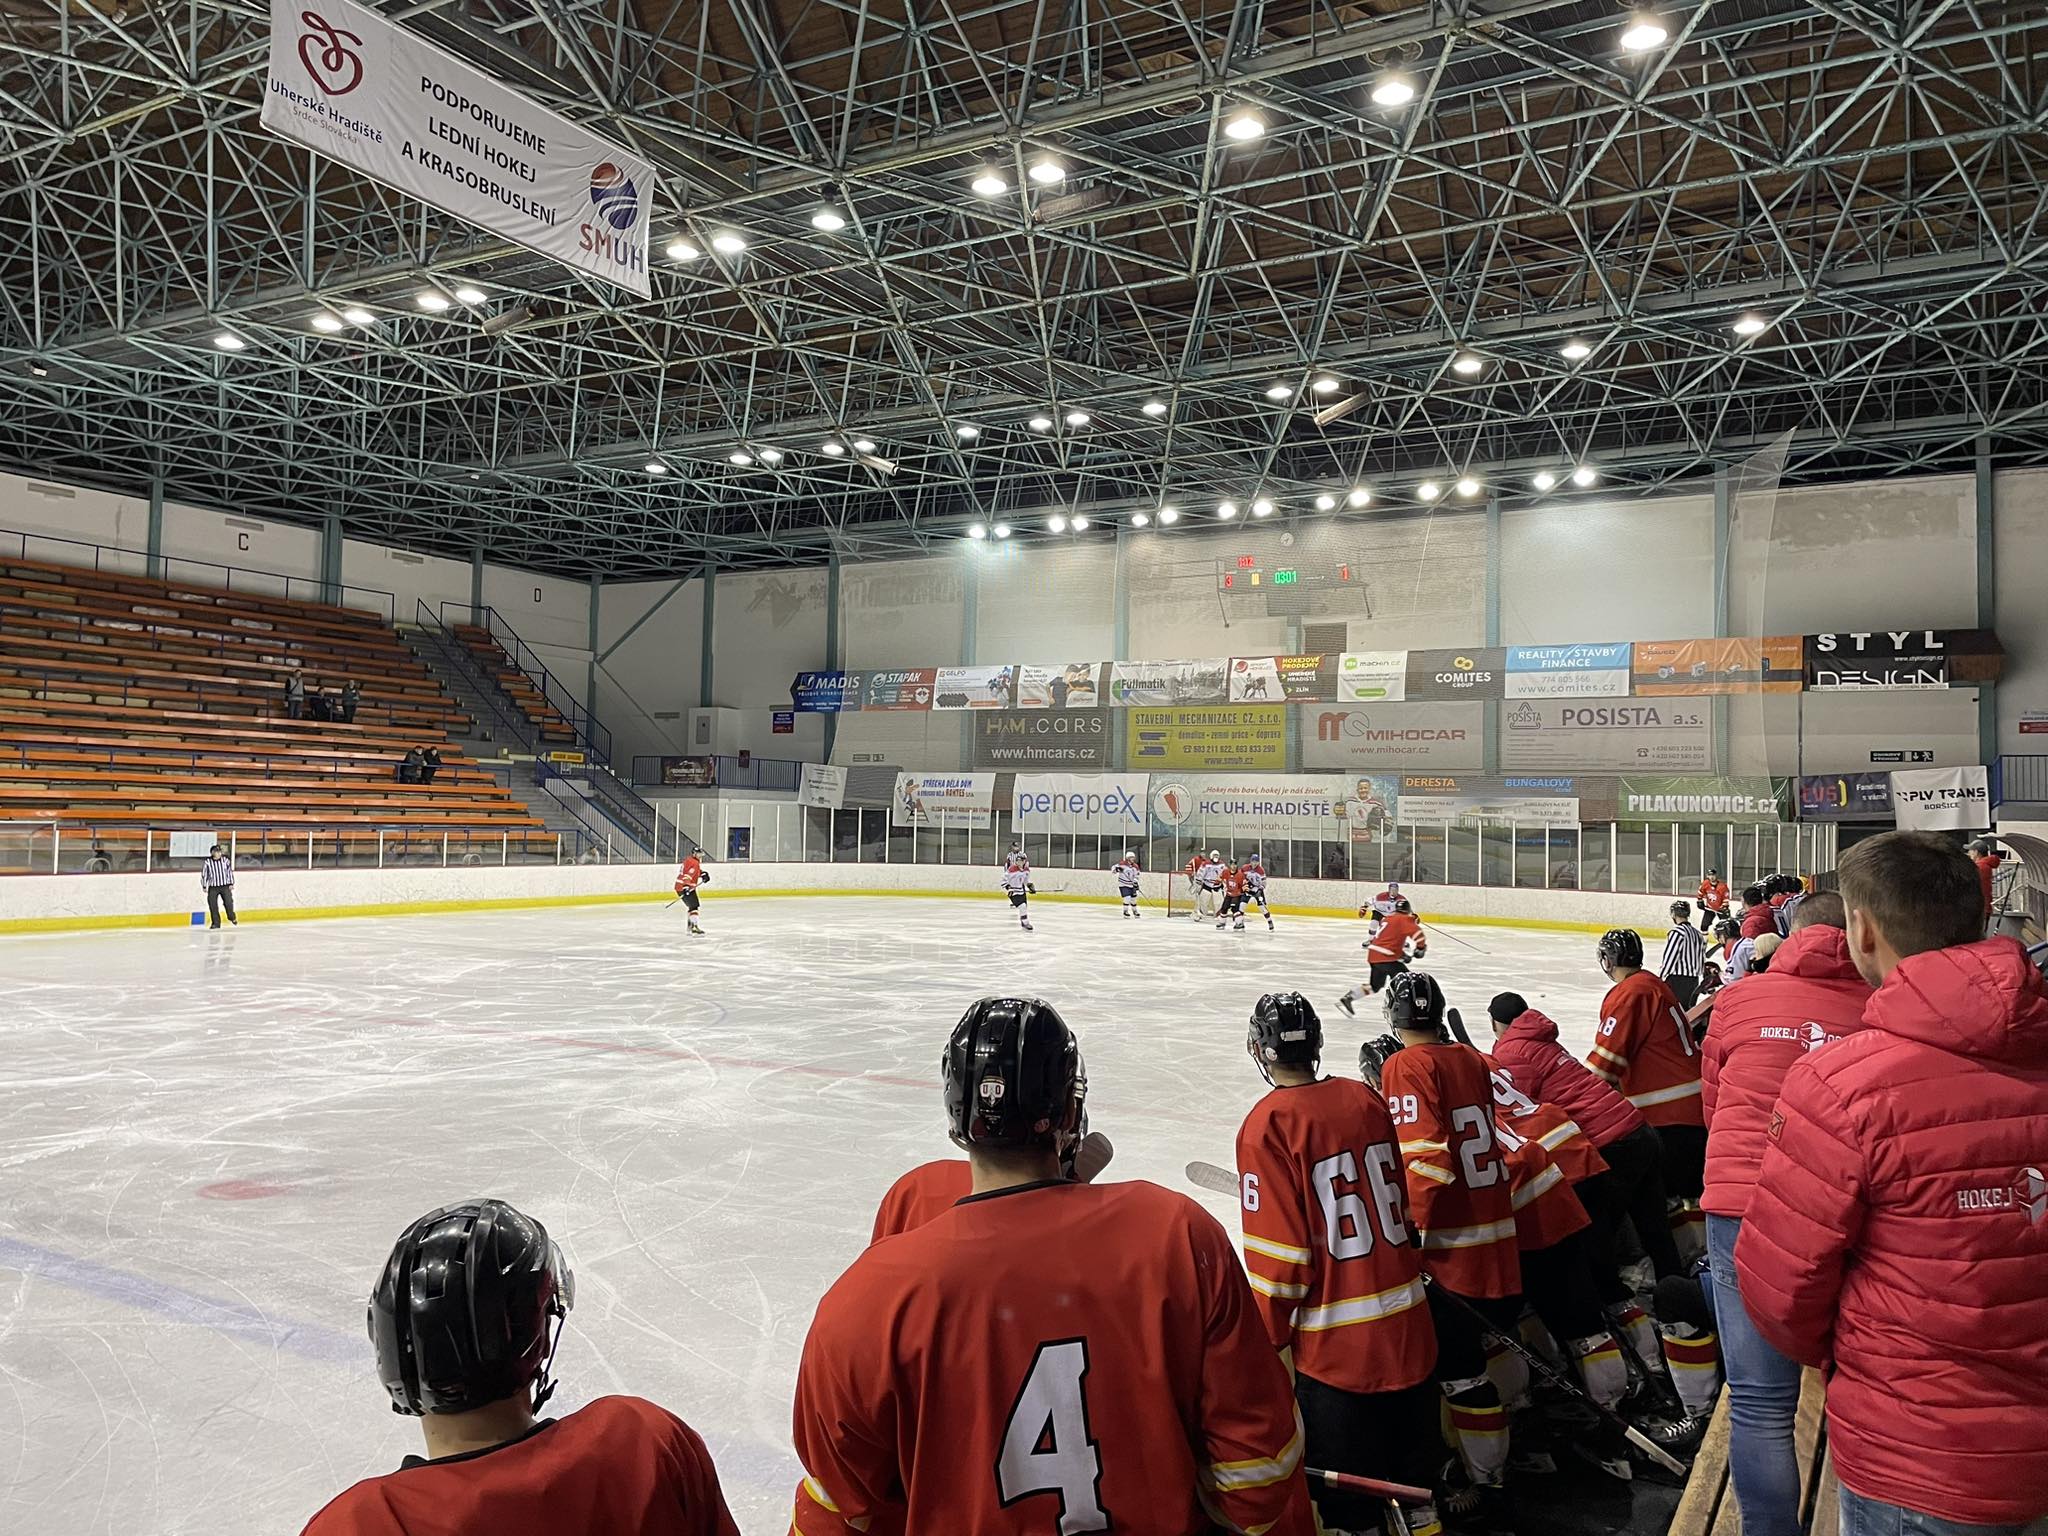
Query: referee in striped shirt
{"x": 217, "y": 877}
{"x": 1685, "y": 955}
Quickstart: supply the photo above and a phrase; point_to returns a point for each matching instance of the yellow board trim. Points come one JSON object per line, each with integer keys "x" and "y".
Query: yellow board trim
{"x": 663, "y": 896}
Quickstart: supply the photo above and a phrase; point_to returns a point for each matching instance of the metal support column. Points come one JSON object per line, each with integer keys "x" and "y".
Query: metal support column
{"x": 970, "y": 622}
{"x": 1119, "y": 644}
{"x": 704, "y": 668}
{"x": 330, "y": 558}
{"x": 590, "y": 681}
{"x": 1490, "y": 742}
{"x": 476, "y": 584}
{"x": 1723, "y": 514}
{"x": 155, "y": 534}
{"x": 832, "y": 648}
{"x": 1987, "y": 595}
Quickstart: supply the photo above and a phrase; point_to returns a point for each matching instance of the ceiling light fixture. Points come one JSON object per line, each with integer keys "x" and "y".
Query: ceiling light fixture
{"x": 1080, "y": 522}
{"x": 1056, "y": 523}
{"x": 1262, "y": 508}
{"x": 740, "y": 458}
{"x": 1642, "y": 34}
{"x": 358, "y": 316}
{"x": 1467, "y": 363}
{"x": 1393, "y": 91}
{"x": 1226, "y": 510}
{"x": 1168, "y": 516}
{"x": 656, "y": 467}
{"x": 1359, "y": 496}
{"x": 323, "y": 321}
{"x": 1280, "y": 392}
{"x": 977, "y": 530}
{"x": 1543, "y": 480}
{"x": 1140, "y": 519}
{"x": 1584, "y": 475}
{"x": 1325, "y": 385}
{"x": 468, "y": 294}
{"x": 680, "y": 249}
{"x": 1040, "y": 423}
{"x": 228, "y": 341}
{"x": 432, "y": 300}
{"x": 1047, "y": 171}
{"x": 771, "y": 455}
{"x": 1575, "y": 351}
{"x": 39, "y": 370}
{"x": 1077, "y": 418}
{"x": 989, "y": 184}
{"x": 833, "y": 448}
{"x": 1001, "y": 530}
{"x": 967, "y": 432}
{"x": 1467, "y": 487}
{"x": 828, "y": 219}
{"x": 1154, "y": 407}
{"x": 1429, "y": 490}
{"x": 863, "y": 445}
{"x": 1326, "y": 503}
{"x": 1244, "y": 125}
{"x": 728, "y": 242}
{"x": 1751, "y": 325}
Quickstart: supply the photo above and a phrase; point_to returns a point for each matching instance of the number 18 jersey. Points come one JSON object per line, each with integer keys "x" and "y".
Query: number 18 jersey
{"x": 1050, "y": 1358}
{"x": 1326, "y": 1237}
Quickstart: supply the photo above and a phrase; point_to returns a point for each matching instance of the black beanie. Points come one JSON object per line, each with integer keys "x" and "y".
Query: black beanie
{"x": 1507, "y": 1007}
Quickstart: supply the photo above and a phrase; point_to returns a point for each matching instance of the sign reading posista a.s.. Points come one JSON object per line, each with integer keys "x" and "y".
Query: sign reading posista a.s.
{"x": 385, "y": 102}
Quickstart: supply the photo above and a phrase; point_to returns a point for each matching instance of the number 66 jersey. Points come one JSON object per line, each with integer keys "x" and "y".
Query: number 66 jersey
{"x": 1042, "y": 1361}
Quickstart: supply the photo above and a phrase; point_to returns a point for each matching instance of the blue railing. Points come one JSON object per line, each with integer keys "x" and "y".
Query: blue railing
{"x": 459, "y": 656}
{"x": 2020, "y": 776}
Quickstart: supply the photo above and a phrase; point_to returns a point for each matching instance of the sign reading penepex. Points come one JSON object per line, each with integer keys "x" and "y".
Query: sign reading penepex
{"x": 387, "y": 103}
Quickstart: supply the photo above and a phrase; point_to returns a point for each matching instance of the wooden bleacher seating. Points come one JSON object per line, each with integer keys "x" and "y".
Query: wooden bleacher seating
{"x": 1708, "y": 1507}
{"x": 539, "y": 709}
{"x": 130, "y": 704}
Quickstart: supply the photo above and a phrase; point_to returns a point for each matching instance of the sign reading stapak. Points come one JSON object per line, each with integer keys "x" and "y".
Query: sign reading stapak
{"x": 1942, "y": 799}
{"x": 383, "y": 101}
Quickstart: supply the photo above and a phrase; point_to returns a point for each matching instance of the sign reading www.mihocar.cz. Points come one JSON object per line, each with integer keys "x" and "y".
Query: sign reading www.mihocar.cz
{"x": 386, "y": 102}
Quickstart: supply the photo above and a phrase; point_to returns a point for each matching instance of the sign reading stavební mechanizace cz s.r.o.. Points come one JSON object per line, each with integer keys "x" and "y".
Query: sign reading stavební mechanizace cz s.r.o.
{"x": 385, "y": 102}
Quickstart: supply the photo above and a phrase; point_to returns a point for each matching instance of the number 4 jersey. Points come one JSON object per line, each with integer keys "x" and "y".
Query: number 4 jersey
{"x": 1050, "y": 1358}
{"x": 1326, "y": 1237}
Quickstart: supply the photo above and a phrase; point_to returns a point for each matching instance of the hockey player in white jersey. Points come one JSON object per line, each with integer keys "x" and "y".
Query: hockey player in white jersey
{"x": 1254, "y": 871}
{"x": 1209, "y": 885}
{"x": 1382, "y": 907}
{"x": 1127, "y": 882}
{"x": 1017, "y": 885}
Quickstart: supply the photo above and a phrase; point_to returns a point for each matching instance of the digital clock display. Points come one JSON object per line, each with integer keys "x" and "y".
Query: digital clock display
{"x": 1285, "y": 578}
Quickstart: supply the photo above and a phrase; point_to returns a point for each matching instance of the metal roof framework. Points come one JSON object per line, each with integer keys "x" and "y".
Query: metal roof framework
{"x": 1866, "y": 179}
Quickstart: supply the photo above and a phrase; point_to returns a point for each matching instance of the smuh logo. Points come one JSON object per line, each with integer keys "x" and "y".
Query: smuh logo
{"x": 1172, "y": 803}
{"x": 614, "y": 196}
{"x": 335, "y": 67}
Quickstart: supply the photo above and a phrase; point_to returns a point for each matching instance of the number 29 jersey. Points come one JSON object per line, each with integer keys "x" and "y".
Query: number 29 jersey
{"x": 1326, "y": 1237}
{"x": 1051, "y": 1358}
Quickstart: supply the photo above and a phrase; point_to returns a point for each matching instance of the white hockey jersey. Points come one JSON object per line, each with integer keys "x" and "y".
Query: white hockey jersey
{"x": 1016, "y": 877}
{"x": 1210, "y": 876}
{"x": 1127, "y": 874}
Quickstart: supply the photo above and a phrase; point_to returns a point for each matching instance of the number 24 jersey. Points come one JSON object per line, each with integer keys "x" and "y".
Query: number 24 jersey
{"x": 1050, "y": 1358}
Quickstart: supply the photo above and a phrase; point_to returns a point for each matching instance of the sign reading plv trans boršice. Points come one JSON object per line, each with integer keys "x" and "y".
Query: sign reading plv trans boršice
{"x": 387, "y": 103}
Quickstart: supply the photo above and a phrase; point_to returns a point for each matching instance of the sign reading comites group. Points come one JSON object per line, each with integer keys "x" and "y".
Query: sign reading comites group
{"x": 389, "y": 104}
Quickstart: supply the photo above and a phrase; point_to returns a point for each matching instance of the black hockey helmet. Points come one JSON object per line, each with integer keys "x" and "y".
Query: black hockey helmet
{"x": 1372, "y": 1057}
{"x": 1621, "y": 946}
{"x": 1414, "y": 1001}
{"x": 1284, "y": 1032}
{"x": 1013, "y": 1076}
{"x": 1727, "y": 930}
{"x": 468, "y": 1310}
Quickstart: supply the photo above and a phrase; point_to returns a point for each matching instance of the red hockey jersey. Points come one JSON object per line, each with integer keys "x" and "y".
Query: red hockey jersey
{"x": 690, "y": 875}
{"x": 921, "y": 1194}
{"x": 1644, "y": 1048}
{"x": 1441, "y": 1100}
{"x": 1326, "y": 1237}
{"x": 1546, "y": 1209}
{"x": 1056, "y": 1354}
{"x": 1392, "y": 942}
{"x": 619, "y": 1464}
{"x": 1548, "y": 1126}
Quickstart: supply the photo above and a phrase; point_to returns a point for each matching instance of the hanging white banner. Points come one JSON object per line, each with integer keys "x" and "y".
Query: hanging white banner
{"x": 1942, "y": 799}
{"x": 387, "y": 103}
{"x": 821, "y": 786}
{"x": 944, "y": 800}
{"x": 1109, "y": 804}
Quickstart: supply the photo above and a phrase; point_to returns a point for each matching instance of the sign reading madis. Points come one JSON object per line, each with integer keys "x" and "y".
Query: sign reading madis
{"x": 1252, "y": 737}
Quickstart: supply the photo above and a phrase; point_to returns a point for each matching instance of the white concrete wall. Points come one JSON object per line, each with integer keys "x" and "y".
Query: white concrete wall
{"x": 46, "y": 902}
{"x": 28, "y": 505}
{"x": 409, "y": 577}
{"x": 2022, "y": 553}
{"x": 1608, "y": 570}
{"x": 648, "y": 685}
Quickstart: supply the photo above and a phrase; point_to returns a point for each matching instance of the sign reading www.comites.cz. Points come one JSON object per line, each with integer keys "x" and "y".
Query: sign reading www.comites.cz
{"x": 387, "y": 103}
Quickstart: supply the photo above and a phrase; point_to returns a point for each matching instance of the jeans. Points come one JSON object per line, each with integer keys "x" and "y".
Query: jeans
{"x": 1869, "y": 1517}
{"x": 1763, "y": 1398}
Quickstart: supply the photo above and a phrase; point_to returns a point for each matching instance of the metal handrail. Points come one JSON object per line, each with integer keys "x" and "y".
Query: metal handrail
{"x": 588, "y": 730}
{"x": 632, "y": 815}
{"x": 157, "y": 567}
{"x": 458, "y": 655}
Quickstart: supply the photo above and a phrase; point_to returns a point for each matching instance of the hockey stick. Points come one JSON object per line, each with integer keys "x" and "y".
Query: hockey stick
{"x": 1351, "y": 1482}
{"x": 1223, "y": 1182}
{"x": 1456, "y": 940}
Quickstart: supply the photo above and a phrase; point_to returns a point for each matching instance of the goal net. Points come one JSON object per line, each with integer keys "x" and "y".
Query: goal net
{"x": 1185, "y": 899}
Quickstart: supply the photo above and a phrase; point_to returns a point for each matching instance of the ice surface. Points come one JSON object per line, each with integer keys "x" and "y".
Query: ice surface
{"x": 209, "y": 1142}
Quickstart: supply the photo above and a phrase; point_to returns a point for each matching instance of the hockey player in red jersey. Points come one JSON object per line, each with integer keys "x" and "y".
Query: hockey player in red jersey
{"x": 1440, "y": 1095}
{"x": 1232, "y": 910}
{"x": 930, "y": 1188}
{"x": 1645, "y": 1049}
{"x": 1397, "y": 940}
{"x": 1044, "y": 1354}
{"x": 689, "y": 875}
{"x": 1340, "y": 1283}
{"x": 465, "y": 1320}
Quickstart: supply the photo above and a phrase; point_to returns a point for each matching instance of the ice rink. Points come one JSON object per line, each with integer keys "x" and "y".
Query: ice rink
{"x": 211, "y": 1140}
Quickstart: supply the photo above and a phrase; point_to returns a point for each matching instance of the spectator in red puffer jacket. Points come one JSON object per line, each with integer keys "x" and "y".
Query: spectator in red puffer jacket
{"x": 1811, "y": 995}
{"x": 1525, "y": 1050}
{"x": 1899, "y": 1225}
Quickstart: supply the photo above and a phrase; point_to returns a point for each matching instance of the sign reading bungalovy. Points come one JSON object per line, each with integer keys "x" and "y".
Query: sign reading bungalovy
{"x": 389, "y": 104}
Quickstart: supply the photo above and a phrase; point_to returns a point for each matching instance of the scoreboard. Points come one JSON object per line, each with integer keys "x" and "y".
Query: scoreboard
{"x": 1289, "y": 590}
